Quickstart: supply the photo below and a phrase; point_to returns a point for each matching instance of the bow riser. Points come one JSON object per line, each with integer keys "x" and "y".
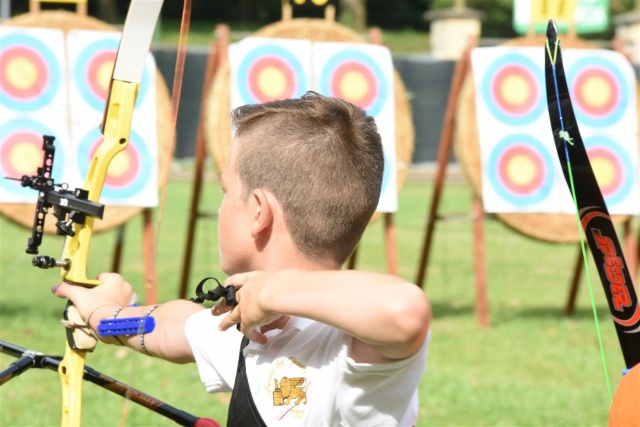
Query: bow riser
{"x": 117, "y": 127}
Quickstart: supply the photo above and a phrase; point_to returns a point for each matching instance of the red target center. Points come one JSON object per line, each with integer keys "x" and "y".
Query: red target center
{"x": 354, "y": 82}
{"x": 515, "y": 90}
{"x": 21, "y": 154}
{"x": 596, "y": 92}
{"x": 606, "y": 168}
{"x": 271, "y": 78}
{"x": 521, "y": 170}
{"x": 23, "y": 73}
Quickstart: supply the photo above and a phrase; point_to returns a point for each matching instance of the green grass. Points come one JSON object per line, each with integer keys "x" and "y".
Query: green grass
{"x": 532, "y": 367}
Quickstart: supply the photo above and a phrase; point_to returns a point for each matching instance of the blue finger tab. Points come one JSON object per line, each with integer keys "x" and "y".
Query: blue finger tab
{"x": 126, "y": 326}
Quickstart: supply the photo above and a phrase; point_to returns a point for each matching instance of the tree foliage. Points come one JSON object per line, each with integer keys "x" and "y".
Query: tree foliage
{"x": 395, "y": 14}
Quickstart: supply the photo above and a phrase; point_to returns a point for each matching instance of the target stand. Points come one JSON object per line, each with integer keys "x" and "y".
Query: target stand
{"x": 214, "y": 133}
{"x": 463, "y": 136}
{"x": 115, "y": 216}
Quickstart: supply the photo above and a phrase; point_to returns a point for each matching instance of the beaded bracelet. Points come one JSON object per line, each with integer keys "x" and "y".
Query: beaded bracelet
{"x": 113, "y": 316}
{"x": 142, "y": 346}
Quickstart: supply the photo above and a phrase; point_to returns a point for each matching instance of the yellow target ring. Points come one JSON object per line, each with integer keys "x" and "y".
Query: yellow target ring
{"x": 25, "y": 158}
{"x": 272, "y": 82}
{"x": 521, "y": 170}
{"x": 21, "y": 73}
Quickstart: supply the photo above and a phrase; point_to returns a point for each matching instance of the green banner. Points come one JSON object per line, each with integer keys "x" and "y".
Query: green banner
{"x": 587, "y": 16}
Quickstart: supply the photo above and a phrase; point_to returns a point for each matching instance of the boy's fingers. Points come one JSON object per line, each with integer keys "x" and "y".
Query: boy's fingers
{"x": 220, "y": 308}
{"x": 228, "y": 321}
{"x": 62, "y": 290}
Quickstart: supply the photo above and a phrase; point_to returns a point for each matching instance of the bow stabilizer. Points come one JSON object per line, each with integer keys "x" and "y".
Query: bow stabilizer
{"x": 590, "y": 205}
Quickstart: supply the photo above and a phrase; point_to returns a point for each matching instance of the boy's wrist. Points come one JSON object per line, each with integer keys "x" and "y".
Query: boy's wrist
{"x": 104, "y": 312}
{"x": 99, "y": 313}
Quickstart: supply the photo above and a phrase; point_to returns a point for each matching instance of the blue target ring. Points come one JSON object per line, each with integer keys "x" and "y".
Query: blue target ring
{"x": 545, "y": 179}
{"x": 277, "y": 52}
{"x": 48, "y": 68}
{"x": 139, "y": 177}
{"x": 386, "y": 172}
{"x": 354, "y": 56}
{"x": 623, "y": 166}
{"x": 84, "y": 79}
{"x": 25, "y": 131}
{"x": 612, "y": 77}
{"x": 530, "y": 73}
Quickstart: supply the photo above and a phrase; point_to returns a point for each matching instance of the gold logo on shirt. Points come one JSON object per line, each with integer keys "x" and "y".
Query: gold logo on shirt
{"x": 289, "y": 389}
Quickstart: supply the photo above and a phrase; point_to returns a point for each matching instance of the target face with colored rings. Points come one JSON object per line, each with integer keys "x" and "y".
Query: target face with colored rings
{"x": 520, "y": 170}
{"x": 511, "y": 89}
{"x": 268, "y": 73}
{"x": 93, "y": 71}
{"x": 599, "y": 91}
{"x": 29, "y": 73}
{"x": 611, "y": 166}
{"x": 355, "y": 77}
{"x": 128, "y": 172}
{"x": 21, "y": 154}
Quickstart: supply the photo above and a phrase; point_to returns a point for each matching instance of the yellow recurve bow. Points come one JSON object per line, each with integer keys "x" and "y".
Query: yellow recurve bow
{"x": 116, "y": 126}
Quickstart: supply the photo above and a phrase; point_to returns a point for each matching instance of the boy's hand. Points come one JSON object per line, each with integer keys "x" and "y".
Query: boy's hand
{"x": 250, "y": 313}
{"x": 113, "y": 290}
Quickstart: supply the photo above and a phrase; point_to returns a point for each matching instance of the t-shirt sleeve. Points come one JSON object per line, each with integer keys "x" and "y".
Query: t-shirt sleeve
{"x": 215, "y": 352}
{"x": 386, "y": 385}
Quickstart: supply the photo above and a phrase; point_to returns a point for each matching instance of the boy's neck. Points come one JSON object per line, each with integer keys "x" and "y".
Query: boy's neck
{"x": 296, "y": 261}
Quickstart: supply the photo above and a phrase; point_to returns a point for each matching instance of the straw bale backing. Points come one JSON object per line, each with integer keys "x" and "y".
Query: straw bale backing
{"x": 23, "y": 213}
{"x": 559, "y": 228}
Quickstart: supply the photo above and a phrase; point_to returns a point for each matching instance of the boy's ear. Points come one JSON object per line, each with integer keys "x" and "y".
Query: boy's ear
{"x": 262, "y": 212}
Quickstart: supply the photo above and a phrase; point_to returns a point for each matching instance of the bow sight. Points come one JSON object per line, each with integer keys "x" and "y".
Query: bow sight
{"x": 69, "y": 206}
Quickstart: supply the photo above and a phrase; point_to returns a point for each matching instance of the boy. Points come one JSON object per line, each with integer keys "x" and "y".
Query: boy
{"x": 327, "y": 347}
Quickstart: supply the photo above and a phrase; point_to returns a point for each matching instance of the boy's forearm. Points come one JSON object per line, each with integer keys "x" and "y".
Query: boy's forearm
{"x": 168, "y": 339}
{"x": 378, "y": 309}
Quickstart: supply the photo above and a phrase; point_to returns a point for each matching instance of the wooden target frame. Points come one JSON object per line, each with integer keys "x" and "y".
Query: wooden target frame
{"x": 214, "y": 132}
{"x": 114, "y": 216}
{"x": 556, "y": 228}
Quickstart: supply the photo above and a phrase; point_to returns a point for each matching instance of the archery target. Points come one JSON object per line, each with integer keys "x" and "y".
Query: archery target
{"x": 362, "y": 74}
{"x": 600, "y": 93}
{"x": 93, "y": 68}
{"x": 30, "y": 72}
{"x": 612, "y": 167}
{"x": 129, "y": 172}
{"x": 520, "y": 170}
{"x": 21, "y": 154}
{"x": 511, "y": 89}
{"x": 268, "y": 71}
{"x": 356, "y": 77}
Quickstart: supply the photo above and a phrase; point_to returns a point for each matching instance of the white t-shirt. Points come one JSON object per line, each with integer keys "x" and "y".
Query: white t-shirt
{"x": 304, "y": 375}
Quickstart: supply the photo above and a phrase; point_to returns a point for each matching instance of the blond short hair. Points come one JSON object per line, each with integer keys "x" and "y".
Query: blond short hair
{"x": 322, "y": 159}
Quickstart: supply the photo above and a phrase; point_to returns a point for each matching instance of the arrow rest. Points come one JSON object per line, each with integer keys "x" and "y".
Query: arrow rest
{"x": 229, "y": 293}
